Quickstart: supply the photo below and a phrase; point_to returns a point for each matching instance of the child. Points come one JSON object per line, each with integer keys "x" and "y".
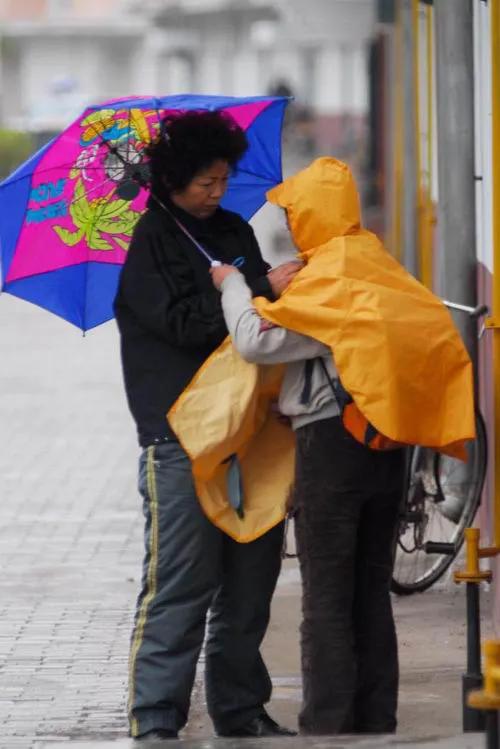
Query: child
{"x": 346, "y": 499}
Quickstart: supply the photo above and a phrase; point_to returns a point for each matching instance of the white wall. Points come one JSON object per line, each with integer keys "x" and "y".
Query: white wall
{"x": 483, "y": 134}
{"x": 92, "y": 67}
{"x": 318, "y": 47}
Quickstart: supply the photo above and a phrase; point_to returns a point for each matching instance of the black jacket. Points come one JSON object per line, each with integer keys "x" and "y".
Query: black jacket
{"x": 169, "y": 313}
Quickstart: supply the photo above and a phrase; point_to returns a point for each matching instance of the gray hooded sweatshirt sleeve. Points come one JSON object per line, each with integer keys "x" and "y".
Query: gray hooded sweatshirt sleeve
{"x": 263, "y": 343}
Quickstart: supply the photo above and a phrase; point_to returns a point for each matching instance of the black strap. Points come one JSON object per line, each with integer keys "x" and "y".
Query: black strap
{"x": 327, "y": 374}
{"x": 370, "y": 433}
{"x": 341, "y": 395}
{"x": 308, "y": 370}
{"x": 306, "y": 390}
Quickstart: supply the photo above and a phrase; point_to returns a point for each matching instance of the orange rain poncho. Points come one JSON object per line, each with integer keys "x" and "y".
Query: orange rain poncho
{"x": 396, "y": 348}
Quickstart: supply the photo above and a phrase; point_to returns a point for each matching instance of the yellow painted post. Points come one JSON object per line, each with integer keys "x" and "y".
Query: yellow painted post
{"x": 418, "y": 165}
{"x": 472, "y": 550}
{"x": 397, "y": 114}
{"x": 488, "y": 698}
{"x": 472, "y": 572}
{"x": 429, "y": 27}
{"x": 495, "y": 103}
{"x": 428, "y": 220}
{"x": 491, "y": 651}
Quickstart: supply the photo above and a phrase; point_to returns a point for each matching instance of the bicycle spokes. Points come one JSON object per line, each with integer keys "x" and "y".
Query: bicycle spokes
{"x": 441, "y": 499}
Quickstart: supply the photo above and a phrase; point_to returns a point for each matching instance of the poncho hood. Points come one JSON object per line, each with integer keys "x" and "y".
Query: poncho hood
{"x": 321, "y": 203}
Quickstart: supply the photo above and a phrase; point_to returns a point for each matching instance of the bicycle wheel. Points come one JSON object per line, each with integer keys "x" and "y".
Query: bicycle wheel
{"x": 441, "y": 499}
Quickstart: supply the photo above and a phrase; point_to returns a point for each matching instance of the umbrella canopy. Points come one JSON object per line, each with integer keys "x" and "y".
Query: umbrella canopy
{"x": 67, "y": 214}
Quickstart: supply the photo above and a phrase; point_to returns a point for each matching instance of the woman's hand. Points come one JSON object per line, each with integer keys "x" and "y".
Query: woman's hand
{"x": 220, "y": 272}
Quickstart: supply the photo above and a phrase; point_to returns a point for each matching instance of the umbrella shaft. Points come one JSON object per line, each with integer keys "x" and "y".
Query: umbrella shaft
{"x": 188, "y": 234}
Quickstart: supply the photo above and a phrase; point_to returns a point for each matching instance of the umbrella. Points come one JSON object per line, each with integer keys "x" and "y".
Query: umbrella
{"x": 67, "y": 214}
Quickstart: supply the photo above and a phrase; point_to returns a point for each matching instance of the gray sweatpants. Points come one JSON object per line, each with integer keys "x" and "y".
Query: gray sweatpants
{"x": 190, "y": 567}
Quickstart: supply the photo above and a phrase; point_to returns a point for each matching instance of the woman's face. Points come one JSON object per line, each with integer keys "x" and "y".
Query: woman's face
{"x": 205, "y": 191}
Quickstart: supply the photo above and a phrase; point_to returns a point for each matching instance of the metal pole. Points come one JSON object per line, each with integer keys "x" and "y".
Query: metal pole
{"x": 410, "y": 130}
{"x": 398, "y": 153}
{"x": 389, "y": 140}
{"x": 427, "y": 221}
{"x": 492, "y": 734}
{"x": 455, "y": 141}
{"x": 495, "y": 105}
{"x": 473, "y": 720}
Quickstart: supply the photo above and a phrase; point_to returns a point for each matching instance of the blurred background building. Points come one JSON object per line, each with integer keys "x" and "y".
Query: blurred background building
{"x": 58, "y": 55}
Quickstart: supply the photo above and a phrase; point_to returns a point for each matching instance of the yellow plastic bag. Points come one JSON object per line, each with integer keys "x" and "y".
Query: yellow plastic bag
{"x": 228, "y": 409}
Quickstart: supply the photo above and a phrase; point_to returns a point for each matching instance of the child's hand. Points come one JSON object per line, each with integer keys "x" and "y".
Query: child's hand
{"x": 221, "y": 272}
{"x": 280, "y": 277}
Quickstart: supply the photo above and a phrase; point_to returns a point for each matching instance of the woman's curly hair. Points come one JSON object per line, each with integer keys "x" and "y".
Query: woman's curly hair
{"x": 189, "y": 143}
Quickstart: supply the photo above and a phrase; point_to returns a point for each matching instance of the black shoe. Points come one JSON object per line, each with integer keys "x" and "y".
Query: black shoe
{"x": 258, "y": 727}
{"x": 157, "y": 734}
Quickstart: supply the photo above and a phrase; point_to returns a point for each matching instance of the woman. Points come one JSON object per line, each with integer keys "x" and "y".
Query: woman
{"x": 170, "y": 320}
{"x": 346, "y": 495}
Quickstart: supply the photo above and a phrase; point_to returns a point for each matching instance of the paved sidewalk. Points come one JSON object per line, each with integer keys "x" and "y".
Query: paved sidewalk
{"x": 475, "y": 741}
{"x": 70, "y": 554}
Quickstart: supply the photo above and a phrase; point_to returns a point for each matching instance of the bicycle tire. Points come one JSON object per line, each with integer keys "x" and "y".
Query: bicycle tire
{"x": 427, "y": 473}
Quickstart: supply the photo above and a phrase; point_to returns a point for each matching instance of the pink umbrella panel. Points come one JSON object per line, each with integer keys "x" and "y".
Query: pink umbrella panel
{"x": 67, "y": 215}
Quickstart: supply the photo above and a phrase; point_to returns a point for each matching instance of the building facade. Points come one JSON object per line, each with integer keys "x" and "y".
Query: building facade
{"x": 436, "y": 166}
{"x": 58, "y": 55}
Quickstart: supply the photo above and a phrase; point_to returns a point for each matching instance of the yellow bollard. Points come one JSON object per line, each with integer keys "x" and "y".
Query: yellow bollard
{"x": 488, "y": 698}
{"x": 472, "y": 573}
{"x": 472, "y": 679}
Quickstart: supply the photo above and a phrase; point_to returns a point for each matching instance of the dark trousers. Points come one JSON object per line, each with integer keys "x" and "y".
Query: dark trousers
{"x": 190, "y": 567}
{"x": 346, "y": 504}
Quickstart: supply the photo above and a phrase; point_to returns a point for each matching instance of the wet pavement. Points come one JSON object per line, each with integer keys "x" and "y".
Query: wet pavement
{"x": 70, "y": 554}
{"x": 70, "y": 529}
{"x": 456, "y": 742}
